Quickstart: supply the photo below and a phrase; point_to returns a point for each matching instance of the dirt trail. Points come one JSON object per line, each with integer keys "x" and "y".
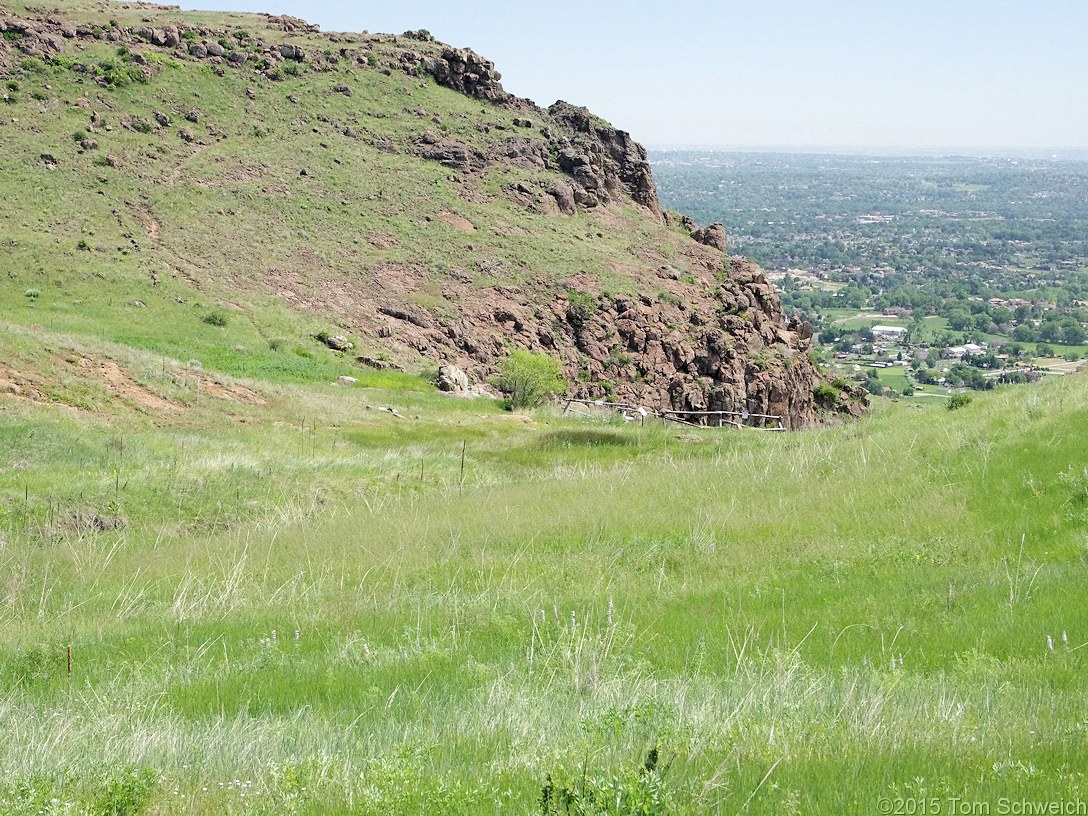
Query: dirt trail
{"x": 175, "y": 175}
{"x": 122, "y": 385}
{"x": 149, "y": 222}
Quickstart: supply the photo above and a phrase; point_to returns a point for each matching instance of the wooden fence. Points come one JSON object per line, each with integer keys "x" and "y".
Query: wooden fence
{"x": 693, "y": 419}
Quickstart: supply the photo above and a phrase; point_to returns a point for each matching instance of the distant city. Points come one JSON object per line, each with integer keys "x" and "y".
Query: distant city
{"x": 981, "y": 260}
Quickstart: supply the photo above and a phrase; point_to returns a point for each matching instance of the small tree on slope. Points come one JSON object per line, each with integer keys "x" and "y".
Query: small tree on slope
{"x": 529, "y": 379}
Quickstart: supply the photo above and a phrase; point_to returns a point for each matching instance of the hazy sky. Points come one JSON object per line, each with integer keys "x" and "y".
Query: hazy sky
{"x": 775, "y": 73}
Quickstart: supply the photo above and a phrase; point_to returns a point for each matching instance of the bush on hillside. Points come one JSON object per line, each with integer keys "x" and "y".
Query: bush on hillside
{"x": 529, "y": 379}
{"x": 958, "y": 401}
{"x": 825, "y": 395}
{"x": 215, "y": 318}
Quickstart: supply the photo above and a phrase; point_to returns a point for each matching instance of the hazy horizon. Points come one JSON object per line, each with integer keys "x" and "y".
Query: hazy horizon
{"x": 791, "y": 74}
{"x": 905, "y": 151}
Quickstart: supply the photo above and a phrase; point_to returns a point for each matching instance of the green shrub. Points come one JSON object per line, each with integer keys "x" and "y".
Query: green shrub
{"x": 581, "y": 306}
{"x": 35, "y": 794}
{"x": 127, "y": 792}
{"x": 761, "y": 360}
{"x": 118, "y": 76}
{"x": 825, "y": 394}
{"x": 33, "y": 665}
{"x": 641, "y": 791}
{"x": 64, "y": 61}
{"x": 529, "y": 379}
{"x": 215, "y": 318}
{"x": 669, "y": 297}
{"x": 958, "y": 401}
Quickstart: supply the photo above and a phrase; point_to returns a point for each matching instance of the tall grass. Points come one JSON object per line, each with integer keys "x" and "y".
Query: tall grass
{"x": 804, "y": 622}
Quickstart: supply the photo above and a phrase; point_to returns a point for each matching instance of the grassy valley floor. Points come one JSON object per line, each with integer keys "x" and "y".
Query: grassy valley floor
{"x": 285, "y": 599}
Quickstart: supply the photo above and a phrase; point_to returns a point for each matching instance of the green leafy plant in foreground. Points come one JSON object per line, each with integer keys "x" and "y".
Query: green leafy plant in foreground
{"x": 638, "y": 791}
{"x": 126, "y": 792}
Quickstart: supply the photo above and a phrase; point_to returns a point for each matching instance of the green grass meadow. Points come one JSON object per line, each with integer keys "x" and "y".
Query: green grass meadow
{"x": 308, "y": 606}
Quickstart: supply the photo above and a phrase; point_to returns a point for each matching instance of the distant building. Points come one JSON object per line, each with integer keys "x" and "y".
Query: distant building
{"x": 889, "y": 332}
{"x": 967, "y": 349}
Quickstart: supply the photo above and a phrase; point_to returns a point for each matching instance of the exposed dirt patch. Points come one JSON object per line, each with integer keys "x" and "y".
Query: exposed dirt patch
{"x": 118, "y": 383}
{"x": 382, "y": 241}
{"x": 178, "y": 172}
{"x": 121, "y": 384}
{"x": 16, "y": 384}
{"x": 508, "y": 230}
{"x": 232, "y": 392}
{"x": 81, "y": 521}
{"x": 399, "y": 279}
{"x": 458, "y": 222}
{"x": 149, "y": 222}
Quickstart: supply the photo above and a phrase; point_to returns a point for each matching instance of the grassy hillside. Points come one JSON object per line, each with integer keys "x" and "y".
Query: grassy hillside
{"x": 292, "y": 207}
{"x": 110, "y": 236}
{"x": 281, "y": 598}
{"x": 229, "y": 207}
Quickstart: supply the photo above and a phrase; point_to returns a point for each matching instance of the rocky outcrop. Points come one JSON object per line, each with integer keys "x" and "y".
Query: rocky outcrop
{"x": 44, "y": 37}
{"x": 166, "y": 37}
{"x": 730, "y": 349}
{"x": 452, "y": 380}
{"x": 31, "y": 38}
{"x": 604, "y": 162}
{"x": 292, "y": 25}
{"x": 466, "y": 72}
{"x": 723, "y": 344}
{"x": 455, "y": 155}
{"x": 712, "y": 236}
